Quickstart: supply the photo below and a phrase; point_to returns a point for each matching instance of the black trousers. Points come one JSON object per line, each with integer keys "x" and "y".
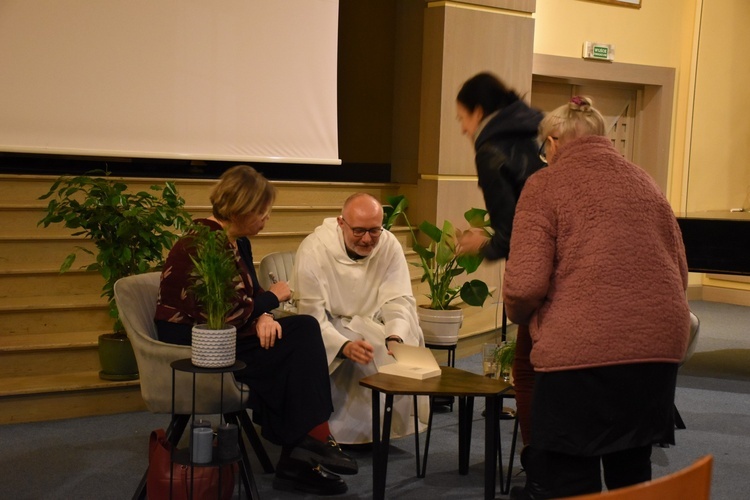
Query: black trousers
{"x": 561, "y": 475}
{"x": 289, "y": 383}
{"x": 606, "y": 417}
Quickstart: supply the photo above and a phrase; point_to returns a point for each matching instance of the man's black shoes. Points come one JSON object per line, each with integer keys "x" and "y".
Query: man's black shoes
{"x": 328, "y": 454}
{"x": 295, "y": 475}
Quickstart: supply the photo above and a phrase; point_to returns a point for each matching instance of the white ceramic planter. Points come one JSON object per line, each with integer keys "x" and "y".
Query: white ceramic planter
{"x": 214, "y": 348}
{"x": 440, "y": 327}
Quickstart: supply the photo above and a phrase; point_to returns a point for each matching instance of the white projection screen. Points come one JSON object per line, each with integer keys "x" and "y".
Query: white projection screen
{"x": 227, "y": 80}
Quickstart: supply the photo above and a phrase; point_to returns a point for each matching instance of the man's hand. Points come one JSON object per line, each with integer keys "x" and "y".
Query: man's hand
{"x": 391, "y": 340}
{"x": 268, "y": 331}
{"x": 359, "y": 351}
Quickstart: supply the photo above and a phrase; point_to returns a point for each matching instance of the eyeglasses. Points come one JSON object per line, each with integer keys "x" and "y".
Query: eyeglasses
{"x": 359, "y": 232}
{"x": 543, "y": 149}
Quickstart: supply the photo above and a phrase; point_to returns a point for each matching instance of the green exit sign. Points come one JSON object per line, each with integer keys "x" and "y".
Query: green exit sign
{"x": 601, "y": 51}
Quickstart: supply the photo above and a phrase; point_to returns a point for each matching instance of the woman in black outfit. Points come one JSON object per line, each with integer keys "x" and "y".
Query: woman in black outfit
{"x": 503, "y": 130}
{"x": 286, "y": 362}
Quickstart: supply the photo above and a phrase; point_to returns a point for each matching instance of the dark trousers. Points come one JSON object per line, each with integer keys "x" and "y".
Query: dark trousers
{"x": 290, "y": 390}
{"x": 523, "y": 381}
{"x": 558, "y": 475}
{"x": 289, "y": 384}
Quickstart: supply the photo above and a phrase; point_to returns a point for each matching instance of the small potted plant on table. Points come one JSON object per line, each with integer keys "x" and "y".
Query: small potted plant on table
{"x": 214, "y": 279}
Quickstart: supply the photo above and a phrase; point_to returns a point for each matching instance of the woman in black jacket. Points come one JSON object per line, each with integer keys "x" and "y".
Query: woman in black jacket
{"x": 504, "y": 132}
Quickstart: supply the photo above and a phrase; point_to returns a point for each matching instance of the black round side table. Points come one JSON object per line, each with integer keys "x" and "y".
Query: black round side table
{"x": 184, "y": 457}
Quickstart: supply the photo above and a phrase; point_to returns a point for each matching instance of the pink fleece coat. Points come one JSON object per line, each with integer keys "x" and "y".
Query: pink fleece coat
{"x": 597, "y": 265}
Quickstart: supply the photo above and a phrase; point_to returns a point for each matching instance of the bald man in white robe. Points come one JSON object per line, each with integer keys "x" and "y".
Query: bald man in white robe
{"x": 353, "y": 277}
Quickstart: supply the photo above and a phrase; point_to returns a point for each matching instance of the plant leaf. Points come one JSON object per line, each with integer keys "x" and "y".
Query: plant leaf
{"x": 470, "y": 262}
{"x": 446, "y": 247}
{"x": 477, "y": 217}
{"x": 474, "y": 292}
{"x": 431, "y": 231}
{"x": 395, "y": 207}
{"x": 65, "y": 266}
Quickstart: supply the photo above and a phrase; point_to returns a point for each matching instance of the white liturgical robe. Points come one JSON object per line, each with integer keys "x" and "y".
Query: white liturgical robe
{"x": 370, "y": 299}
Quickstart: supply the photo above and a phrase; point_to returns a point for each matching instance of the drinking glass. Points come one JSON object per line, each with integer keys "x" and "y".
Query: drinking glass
{"x": 489, "y": 365}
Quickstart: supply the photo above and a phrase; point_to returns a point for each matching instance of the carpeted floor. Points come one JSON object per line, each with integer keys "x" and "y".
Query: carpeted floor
{"x": 104, "y": 457}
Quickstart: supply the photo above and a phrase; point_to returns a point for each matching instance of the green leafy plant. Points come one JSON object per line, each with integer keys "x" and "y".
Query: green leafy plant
{"x": 131, "y": 231}
{"x": 504, "y": 355}
{"x": 395, "y": 209}
{"x": 439, "y": 261}
{"x": 214, "y": 275}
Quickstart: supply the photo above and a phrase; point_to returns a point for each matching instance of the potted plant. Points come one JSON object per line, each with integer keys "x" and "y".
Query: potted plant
{"x": 441, "y": 264}
{"x": 131, "y": 233}
{"x": 504, "y": 355}
{"x": 214, "y": 278}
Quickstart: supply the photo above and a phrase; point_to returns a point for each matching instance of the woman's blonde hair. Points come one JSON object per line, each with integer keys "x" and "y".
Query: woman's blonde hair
{"x": 577, "y": 118}
{"x": 241, "y": 190}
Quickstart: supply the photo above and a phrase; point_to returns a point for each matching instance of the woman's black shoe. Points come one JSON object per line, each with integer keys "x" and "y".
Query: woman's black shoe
{"x": 293, "y": 475}
{"x": 328, "y": 454}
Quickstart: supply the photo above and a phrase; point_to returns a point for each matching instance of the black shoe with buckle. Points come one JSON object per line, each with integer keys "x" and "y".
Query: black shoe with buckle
{"x": 293, "y": 475}
{"x": 328, "y": 454}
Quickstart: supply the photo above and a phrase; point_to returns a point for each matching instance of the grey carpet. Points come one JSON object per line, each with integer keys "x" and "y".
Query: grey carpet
{"x": 104, "y": 457}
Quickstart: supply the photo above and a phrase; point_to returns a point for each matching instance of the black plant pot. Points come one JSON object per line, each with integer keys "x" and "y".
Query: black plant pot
{"x": 116, "y": 357}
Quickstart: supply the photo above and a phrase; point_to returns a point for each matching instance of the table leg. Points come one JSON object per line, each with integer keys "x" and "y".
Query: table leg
{"x": 465, "y": 413}
{"x": 421, "y": 473}
{"x": 246, "y": 472}
{"x": 380, "y": 444}
{"x": 416, "y": 433}
{"x": 491, "y": 420}
{"x": 504, "y": 489}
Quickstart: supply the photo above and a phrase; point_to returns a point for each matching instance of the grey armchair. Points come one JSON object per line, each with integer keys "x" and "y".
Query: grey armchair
{"x": 136, "y": 298}
{"x": 280, "y": 264}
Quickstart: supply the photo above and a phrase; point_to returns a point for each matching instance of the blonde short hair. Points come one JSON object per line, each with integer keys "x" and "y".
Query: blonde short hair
{"x": 241, "y": 190}
{"x": 575, "y": 119}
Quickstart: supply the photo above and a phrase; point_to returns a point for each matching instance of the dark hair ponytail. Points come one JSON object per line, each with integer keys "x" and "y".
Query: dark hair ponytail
{"x": 485, "y": 90}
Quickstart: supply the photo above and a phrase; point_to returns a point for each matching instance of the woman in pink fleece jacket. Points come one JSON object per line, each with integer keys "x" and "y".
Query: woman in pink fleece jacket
{"x": 597, "y": 269}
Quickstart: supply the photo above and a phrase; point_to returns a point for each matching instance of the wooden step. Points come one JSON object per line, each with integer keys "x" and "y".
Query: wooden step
{"x": 49, "y": 341}
{"x": 50, "y": 283}
{"x": 23, "y": 219}
{"x": 68, "y": 395}
{"x": 41, "y": 254}
{"x": 41, "y": 315}
{"x": 24, "y": 189}
{"x": 48, "y": 362}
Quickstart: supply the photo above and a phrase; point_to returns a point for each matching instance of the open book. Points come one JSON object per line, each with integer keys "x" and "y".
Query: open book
{"x": 412, "y": 362}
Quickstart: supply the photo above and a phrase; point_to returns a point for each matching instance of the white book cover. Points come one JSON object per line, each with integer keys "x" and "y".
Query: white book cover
{"x": 412, "y": 362}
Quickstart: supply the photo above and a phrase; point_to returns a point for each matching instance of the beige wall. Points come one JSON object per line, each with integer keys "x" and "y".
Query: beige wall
{"x": 719, "y": 170}
{"x": 661, "y": 33}
{"x": 706, "y": 42}
{"x": 380, "y": 77}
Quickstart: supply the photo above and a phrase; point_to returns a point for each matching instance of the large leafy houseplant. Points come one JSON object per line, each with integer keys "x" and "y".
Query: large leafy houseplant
{"x": 132, "y": 231}
{"x": 439, "y": 260}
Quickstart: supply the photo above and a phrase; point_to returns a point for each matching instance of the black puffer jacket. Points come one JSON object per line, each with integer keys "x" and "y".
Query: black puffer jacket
{"x": 506, "y": 155}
